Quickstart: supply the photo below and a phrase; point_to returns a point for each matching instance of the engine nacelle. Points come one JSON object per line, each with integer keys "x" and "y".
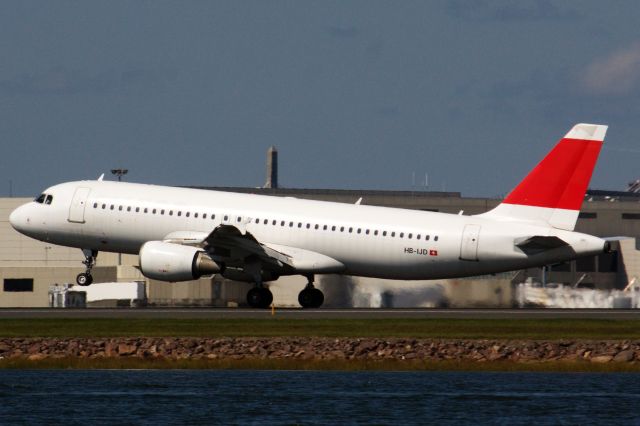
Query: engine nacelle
{"x": 175, "y": 262}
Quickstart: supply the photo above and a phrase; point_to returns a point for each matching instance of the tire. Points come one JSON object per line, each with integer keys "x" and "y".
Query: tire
{"x": 84, "y": 279}
{"x": 311, "y": 298}
{"x": 259, "y": 298}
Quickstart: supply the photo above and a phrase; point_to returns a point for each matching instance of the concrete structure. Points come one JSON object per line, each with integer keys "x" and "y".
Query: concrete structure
{"x": 272, "y": 168}
{"x": 29, "y": 267}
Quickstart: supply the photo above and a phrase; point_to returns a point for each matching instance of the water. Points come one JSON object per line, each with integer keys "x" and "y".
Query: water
{"x": 294, "y": 397}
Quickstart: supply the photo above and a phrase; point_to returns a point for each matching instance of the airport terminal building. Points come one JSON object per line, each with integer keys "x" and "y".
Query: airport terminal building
{"x": 30, "y": 269}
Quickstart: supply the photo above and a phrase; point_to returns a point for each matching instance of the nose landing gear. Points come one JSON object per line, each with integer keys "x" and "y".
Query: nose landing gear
{"x": 89, "y": 261}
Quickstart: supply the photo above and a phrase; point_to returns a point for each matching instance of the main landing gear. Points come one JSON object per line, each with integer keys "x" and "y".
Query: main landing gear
{"x": 89, "y": 261}
{"x": 259, "y": 297}
{"x": 310, "y": 297}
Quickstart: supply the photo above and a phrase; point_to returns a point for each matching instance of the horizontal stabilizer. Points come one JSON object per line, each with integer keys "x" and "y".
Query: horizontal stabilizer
{"x": 539, "y": 243}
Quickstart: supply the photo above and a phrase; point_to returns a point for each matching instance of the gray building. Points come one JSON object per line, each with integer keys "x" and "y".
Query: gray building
{"x": 28, "y": 268}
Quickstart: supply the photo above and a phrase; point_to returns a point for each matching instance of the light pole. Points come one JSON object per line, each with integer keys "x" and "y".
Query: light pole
{"x": 119, "y": 173}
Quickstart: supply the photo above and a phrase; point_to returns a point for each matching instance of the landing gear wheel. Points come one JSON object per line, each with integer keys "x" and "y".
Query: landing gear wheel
{"x": 84, "y": 279}
{"x": 311, "y": 297}
{"x": 89, "y": 261}
{"x": 259, "y": 297}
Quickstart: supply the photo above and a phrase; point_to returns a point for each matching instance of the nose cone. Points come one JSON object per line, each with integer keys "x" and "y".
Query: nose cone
{"x": 18, "y": 219}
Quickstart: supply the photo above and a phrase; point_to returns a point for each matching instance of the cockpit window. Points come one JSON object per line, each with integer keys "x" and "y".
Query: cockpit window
{"x": 44, "y": 199}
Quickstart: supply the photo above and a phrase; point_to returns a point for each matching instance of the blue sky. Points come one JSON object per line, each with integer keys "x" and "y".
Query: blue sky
{"x": 354, "y": 94}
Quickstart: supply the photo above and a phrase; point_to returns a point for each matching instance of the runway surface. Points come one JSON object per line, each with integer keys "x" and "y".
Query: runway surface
{"x": 217, "y": 313}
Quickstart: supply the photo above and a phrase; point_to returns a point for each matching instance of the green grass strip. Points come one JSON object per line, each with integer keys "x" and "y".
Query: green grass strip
{"x": 540, "y": 329}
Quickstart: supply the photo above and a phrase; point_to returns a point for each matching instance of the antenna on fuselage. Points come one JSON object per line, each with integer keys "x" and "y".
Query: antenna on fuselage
{"x": 101, "y": 177}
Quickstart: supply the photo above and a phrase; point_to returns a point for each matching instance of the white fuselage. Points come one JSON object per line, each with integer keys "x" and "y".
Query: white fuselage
{"x": 367, "y": 240}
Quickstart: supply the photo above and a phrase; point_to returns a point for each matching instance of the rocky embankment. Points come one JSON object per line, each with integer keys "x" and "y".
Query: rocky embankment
{"x": 321, "y": 349}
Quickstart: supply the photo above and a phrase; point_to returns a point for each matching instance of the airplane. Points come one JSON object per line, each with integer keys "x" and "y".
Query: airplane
{"x": 182, "y": 234}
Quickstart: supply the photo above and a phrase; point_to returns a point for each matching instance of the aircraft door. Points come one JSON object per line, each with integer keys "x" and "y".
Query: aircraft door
{"x": 469, "y": 245}
{"x": 78, "y": 204}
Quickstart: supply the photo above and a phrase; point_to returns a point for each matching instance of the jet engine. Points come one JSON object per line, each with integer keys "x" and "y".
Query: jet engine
{"x": 175, "y": 262}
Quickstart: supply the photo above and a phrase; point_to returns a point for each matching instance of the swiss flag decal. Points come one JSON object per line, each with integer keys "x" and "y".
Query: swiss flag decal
{"x": 433, "y": 252}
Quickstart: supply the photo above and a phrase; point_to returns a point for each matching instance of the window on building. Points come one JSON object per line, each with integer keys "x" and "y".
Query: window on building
{"x": 18, "y": 284}
{"x": 587, "y": 215}
{"x": 631, "y": 216}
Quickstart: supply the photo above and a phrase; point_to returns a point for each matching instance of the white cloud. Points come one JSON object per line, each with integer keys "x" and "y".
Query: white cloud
{"x": 616, "y": 74}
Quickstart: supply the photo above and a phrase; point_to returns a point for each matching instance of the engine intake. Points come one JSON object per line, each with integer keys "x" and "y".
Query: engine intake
{"x": 175, "y": 262}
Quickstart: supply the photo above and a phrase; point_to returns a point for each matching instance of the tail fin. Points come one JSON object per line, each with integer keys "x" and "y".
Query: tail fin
{"x": 552, "y": 193}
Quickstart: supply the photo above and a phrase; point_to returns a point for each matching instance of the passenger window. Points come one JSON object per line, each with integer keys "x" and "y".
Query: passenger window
{"x": 308, "y": 226}
{"x": 290, "y": 224}
{"x": 350, "y": 230}
{"x": 324, "y": 228}
{"x": 162, "y": 211}
{"x": 104, "y": 206}
{"x": 317, "y": 226}
{"x": 239, "y": 219}
{"x": 213, "y": 216}
{"x": 170, "y": 212}
{"x": 299, "y": 224}
{"x": 384, "y": 233}
{"x": 95, "y": 205}
{"x": 426, "y": 238}
{"x": 418, "y": 237}
{"x": 120, "y": 208}
{"x": 179, "y": 213}
{"x": 375, "y": 232}
{"x": 153, "y": 211}
{"x": 137, "y": 209}
{"x": 226, "y": 217}
{"x": 333, "y": 228}
{"x": 129, "y": 208}
{"x": 410, "y": 235}
{"x": 282, "y": 223}
{"x": 195, "y": 215}
{"x": 435, "y": 238}
{"x": 266, "y": 221}
{"x": 257, "y": 221}
{"x": 393, "y": 234}
{"x": 342, "y": 229}
{"x": 146, "y": 210}
{"x": 402, "y": 235}
{"x": 204, "y": 215}
{"x": 273, "y": 222}
{"x": 112, "y": 207}
{"x": 366, "y": 232}
{"x": 359, "y": 230}
{"x": 187, "y": 214}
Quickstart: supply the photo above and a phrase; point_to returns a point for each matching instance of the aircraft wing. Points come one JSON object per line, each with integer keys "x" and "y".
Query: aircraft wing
{"x": 227, "y": 244}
